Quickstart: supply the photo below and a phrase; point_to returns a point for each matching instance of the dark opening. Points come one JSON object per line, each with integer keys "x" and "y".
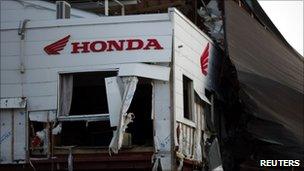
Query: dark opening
{"x": 89, "y": 97}
{"x": 99, "y": 133}
{"x": 36, "y": 144}
{"x": 80, "y": 133}
{"x": 141, "y": 129}
{"x": 187, "y": 88}
{"x": 89, "y": 93}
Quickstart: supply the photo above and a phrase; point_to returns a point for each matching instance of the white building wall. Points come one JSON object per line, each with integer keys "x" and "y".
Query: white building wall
{"x": 189, "y": 43}
{"x": 15, "y": 11}
{"x": 40, "y": 80}
{"x": 18, "y": 10}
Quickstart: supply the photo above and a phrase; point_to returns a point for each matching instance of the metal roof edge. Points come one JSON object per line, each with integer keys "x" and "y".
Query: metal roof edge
{"x": 89, "y": 21}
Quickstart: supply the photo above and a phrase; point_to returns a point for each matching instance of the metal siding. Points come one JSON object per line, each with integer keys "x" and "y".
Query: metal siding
{"x": 9, "y": 36}
{"x": 10, "y": 48}
{"x": 19, "y": 134}
{"x": 271, "y": 75}
{"x": 9, "y": 62}
{"x": 42, "y": 103}
{"x": 14, "y": 11}
{"x": 162, "y": 115}
{"x": 13, "y": 135}
{"x": 145, "y": 70}
{"x": 10, "y": 77}
{"x": 16, "y": 15}
{"x": 40, "y": 89}
{"x": 11, "y": 90}
{"x": 187, "y": 61}
{"x": 6, "y": 132}
{"x": 162, "y": 123}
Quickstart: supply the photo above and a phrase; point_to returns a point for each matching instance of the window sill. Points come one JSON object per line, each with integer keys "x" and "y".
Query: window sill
{"x": 187, "y": 122}
{"x": 89, "y": 117}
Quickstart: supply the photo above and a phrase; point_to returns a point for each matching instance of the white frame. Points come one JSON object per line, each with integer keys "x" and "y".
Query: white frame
{"x": 88, "y": 117}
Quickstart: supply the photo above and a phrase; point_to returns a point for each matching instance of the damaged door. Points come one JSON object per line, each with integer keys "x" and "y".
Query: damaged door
{"x": 119, "y": 104}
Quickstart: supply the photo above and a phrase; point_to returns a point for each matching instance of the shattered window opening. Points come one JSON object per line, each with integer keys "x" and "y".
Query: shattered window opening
{"x": 141, "y": 129}
{"x": 98, "y": 133}
{"x": 88, "y": 93}
{"x": 188, "y": 99}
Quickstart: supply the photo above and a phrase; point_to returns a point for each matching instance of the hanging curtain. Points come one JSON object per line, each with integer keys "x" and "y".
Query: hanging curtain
{"x": 130, "y": 84}
{"x": 66, "y": 94}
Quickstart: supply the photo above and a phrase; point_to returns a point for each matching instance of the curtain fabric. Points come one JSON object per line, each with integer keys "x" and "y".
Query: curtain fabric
{"x": 66, "y": 94}
{"x": 130, "y": 84}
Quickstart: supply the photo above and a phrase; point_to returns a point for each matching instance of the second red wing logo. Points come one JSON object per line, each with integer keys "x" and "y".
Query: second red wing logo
{"x": 204, "y": 60}
{"x": 56, "y": 47}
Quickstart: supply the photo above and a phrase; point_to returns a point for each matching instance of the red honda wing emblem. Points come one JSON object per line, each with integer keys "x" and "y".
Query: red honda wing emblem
{"x": 204, "y": 60}
{"x": 55, "y": 48}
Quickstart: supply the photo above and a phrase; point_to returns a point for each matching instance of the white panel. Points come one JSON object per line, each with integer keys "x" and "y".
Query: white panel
{"x": 162, "y": 120}
{"x": 10, "y": 90}
{"x": 100, "y": 30}
{"x": 146, "y": 71}
{"x": 35, "y": 47}
{"x": 9, "y": 63}
{"x": 41, "y": 61}
{"x": 17, "y": 102}
{"x": 10, "y": 4}
{"x": 40, "y": 76}
{"x": 10, "y": 48}
{"x": 9, "y": 36}
{"x": 19, "y": 134}
{"x": 40, "y": 89}
{"x": 43, "y": 116}
{"x": 28, "y": 13}
{"x": 195, "y": 43}
{"x": 42, "y": 103}
{"x": 188, "y": 46}
{"x": 6, "y": 134}
{"x": 114, "y": 97}
{"x": 10, "y": 77}
{"x": 37, "y": 39}
{"x": 12, "y": 10}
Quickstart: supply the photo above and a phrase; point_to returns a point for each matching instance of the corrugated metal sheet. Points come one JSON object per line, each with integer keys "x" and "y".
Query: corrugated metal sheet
{"x": 271, "y": 75}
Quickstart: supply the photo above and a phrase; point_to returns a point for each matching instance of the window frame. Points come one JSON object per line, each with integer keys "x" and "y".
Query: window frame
{"x": 86, "y": 117}
{"x": 190, "y": 98}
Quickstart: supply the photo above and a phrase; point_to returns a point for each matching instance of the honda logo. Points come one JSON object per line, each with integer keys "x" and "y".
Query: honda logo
{"x": 55, "y": 48}
{"x": 204, "y": 60}
{"x": 102, "y": 45}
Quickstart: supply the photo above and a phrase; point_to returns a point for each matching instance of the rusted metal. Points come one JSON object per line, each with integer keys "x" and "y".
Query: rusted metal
{"x": 99, "y": 161}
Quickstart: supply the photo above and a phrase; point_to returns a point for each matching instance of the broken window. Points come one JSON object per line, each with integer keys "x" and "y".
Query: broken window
{"x": 83, "y": 93}
{"x": 85, "y": 98}
{"x": 188, "y": 97}
{"x": 141, "y": 129}
{"x": 83, "y": 109}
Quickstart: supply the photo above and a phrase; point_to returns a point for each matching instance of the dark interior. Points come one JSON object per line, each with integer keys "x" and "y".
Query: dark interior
{"x": 89, "y": 93}
{"x": 186, "y": 97}
{"x": 81, "y": 134}
{"x": 100, "y": 133}
{"x": 142, "y": 127}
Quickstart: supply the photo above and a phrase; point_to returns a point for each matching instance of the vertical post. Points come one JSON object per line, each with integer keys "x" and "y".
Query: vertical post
{"x": 122, "y": 10}
{"x": 106, "y": 6}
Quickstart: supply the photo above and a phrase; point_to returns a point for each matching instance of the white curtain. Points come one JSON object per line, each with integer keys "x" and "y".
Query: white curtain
{"x": 130, "y": 84}
{"x": 66, "y": 94}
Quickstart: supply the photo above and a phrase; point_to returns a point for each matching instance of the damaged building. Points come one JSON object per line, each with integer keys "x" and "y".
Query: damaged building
{"x": 147, "y": 85}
